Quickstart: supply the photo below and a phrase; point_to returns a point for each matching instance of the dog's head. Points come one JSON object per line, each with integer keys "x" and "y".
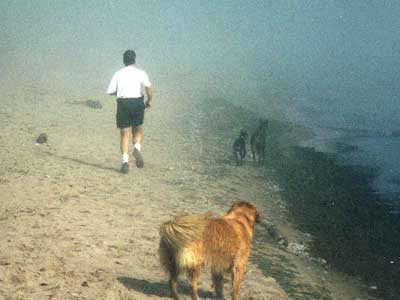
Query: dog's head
{"x": 248, "y": 209}
{"x": 243, "y": 133}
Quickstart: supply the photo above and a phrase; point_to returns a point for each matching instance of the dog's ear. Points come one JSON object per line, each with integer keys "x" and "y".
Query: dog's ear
{"x": 233, "y": 206}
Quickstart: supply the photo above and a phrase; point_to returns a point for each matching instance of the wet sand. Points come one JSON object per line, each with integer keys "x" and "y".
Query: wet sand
{"x": 352, "y": 226}
{"x": 73, "y": 227}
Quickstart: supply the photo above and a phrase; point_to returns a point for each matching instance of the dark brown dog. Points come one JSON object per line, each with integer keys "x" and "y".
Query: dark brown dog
{"x": 257, "y": 142}
{"x": 239, "y": 147}
{"x": 223, "y": 244}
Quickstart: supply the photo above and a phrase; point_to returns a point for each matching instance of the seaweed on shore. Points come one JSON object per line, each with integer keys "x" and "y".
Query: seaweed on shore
{"x": 352, "y": 228}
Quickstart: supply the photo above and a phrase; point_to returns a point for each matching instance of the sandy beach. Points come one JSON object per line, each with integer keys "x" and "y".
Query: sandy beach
{"x": 73, "y": 227}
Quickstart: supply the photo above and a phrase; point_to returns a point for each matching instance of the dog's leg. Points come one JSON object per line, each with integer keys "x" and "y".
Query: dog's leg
{"x": 237, "y": 278}
{"x": 172, "y": 287}
{"x": 167, "y": 261}
{"x": 173, "y": 278}
{"x": 194, "y": 276}
{"x": 242, "y": 155}
{"x": 218, "y": 281}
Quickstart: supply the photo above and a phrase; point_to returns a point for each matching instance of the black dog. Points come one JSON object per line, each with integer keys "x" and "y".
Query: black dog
{"x": 257, "y": 142}
{"x": 239, "y": 147}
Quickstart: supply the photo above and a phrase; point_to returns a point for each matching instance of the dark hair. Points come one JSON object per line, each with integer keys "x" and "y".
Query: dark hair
{"x": 129, "y": 57}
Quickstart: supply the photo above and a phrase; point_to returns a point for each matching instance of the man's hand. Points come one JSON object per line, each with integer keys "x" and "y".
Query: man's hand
{"x": 149, "y": 92}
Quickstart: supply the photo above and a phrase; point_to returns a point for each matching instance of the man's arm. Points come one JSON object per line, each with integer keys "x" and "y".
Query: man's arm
{"x": 149, "y": 93}
{"x": 113, "y": 86}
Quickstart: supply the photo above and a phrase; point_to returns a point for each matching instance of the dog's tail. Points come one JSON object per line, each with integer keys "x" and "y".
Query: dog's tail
{"x": 184, "y": 229}
{"x": 176, "y": 235}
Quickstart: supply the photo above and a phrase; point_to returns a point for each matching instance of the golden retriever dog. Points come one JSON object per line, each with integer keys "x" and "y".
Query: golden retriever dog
{"x": 222, "y": 244}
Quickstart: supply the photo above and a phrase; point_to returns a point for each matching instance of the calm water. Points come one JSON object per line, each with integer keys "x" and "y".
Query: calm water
{"x": 370, "y": 139}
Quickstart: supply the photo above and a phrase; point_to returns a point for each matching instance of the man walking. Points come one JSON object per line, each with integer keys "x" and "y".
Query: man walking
{"x": 128, "y": 84}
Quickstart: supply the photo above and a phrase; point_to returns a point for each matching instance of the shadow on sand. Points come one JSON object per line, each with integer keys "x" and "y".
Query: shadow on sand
{"x": 79, "y": 161}
{"x": 158, "y": 288}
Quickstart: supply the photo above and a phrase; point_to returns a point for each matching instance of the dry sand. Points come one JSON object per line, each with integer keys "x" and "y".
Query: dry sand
{"x": 73, "y": 227}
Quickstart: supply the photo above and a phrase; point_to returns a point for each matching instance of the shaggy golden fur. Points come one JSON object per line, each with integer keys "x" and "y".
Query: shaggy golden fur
{"x": 223, "y": 244}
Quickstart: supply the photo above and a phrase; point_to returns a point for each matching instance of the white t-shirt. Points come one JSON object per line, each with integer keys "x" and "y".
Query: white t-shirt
{"x": 128, "y": 82}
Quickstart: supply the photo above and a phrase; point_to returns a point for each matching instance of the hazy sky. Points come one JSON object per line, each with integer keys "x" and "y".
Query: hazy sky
{"x": 333, "y": 50}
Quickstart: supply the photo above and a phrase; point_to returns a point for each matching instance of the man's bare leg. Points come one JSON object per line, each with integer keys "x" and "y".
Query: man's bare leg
{"x": 124, "y": 146}
{"x": 137, "y": 133}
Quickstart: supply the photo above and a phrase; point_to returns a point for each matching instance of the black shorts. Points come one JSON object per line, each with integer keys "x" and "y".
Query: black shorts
{"x": 130, "y": 112}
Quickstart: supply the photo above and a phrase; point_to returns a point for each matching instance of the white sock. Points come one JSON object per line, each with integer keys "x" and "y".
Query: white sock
{"x": 125, "y": 158}
{"x": 137, "y": 146}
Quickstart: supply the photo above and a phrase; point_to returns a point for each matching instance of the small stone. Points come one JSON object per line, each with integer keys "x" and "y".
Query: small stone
{"x": 373, "y": 287}
{"x": 42, "y": 138}
{"x": 85, "y": 284}
{"x": 283, "y": 241}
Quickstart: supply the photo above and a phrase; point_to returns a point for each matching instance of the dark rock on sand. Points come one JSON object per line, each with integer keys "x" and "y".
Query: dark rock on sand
{"x": 85, "y": 284}
{"x": 42, "y": 138}
{"x": 276, "y": 235}
{"x": 96, "y": 104}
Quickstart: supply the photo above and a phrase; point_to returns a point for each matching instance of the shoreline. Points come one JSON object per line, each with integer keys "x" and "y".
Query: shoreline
{"x": 352, "y": 226}
{"x": 357, "y": 148}
{"x": 333, "y": 283}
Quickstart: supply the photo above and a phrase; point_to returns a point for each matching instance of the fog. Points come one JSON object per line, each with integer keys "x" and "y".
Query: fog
{"x": 331, "y": 52}
{"x": 320, "y": 63}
